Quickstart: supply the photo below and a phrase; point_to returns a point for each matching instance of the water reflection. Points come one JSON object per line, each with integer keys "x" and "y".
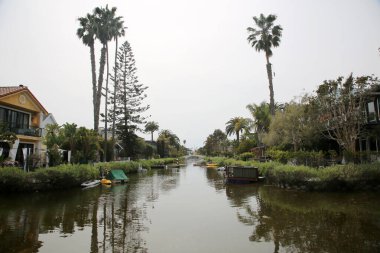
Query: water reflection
{"x": 309, "y": 222}
{"x": 159, "y": 211}
{"x": 114, "y": 217}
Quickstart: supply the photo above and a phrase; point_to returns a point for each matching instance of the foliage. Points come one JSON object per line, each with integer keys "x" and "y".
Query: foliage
{"x": 236, "y": 126}
{"x": 261, "y": 118}
{"x": 332, "y": 178}
{"x": 14, "y": 179}
{"x": 132, "y": 166}
{"x": 338, "y": 106}
{"x": 168, "y": 145}
{"x": 246, "y": 156}
{"x": 263, "y": 37}
{"x": 216, "y": 143}
{"x": 293, "y": 126}
{"x": 127, "y": 103}
{"x": 103, "y": 25}
{"x": 246, "y": 145}
{"x": 6, "y": 135}
{"x": 83, "y": 143}
{"x": 151, "y": 127}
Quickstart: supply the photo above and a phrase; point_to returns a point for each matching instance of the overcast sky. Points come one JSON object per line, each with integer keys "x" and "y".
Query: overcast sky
{"x": 193, "y": 55}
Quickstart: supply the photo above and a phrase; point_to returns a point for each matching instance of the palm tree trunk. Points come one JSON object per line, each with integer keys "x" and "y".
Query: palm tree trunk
{"x": 271, "y": 92}
{"x": 105, "y": 112}
{"x": 237, "y": 137}
{"x": 93, "y": 72}
{"x": 100, "y": 85}
{"x": 114, "y": 93}
{"x": 151, "y": 135}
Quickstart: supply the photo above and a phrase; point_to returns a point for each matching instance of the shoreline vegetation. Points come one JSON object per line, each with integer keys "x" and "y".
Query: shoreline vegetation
{"x": 66, "y": 176}
{"x": 348, "y": 177}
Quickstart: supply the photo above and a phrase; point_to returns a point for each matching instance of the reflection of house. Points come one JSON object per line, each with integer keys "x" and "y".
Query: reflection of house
{"x": 24, "y": 115}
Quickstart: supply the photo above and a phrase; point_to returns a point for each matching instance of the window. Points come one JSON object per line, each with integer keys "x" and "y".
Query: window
{"x": 371, "y": 112}
{"x": 14, "y": 119}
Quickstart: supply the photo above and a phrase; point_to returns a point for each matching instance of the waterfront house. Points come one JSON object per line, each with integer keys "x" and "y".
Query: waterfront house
{"x": 24, "y": 115}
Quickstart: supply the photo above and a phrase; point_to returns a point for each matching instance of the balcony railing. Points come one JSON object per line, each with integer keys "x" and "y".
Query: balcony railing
{"x": 36, "y": 132}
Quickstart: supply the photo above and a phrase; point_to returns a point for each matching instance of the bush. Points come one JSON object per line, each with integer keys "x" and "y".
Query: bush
{"x": 246, "y": 156}
{"x": 332, "y": 178}
{"x": 60, "y": 177}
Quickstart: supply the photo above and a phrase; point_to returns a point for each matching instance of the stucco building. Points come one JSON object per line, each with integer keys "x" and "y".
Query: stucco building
{"x": 24, "y": 115}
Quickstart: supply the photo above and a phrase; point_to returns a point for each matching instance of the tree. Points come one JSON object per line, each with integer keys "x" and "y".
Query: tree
{"x": 128, "y": 107}
{"x": 236, "y": 125}
{"x": 168, "y": 144}
{"x": 339, "y": 105}
{"x": 293, "y": 127}
{"x": 216, "y": 143}
{"x": 111, "y": 27}
{"x": 87, "y": 32}
{"x": 151, "y": 127}
{"x": 261, "y": 118}
{"x": 104, "y": 26}
{"x": 263, "y": 37}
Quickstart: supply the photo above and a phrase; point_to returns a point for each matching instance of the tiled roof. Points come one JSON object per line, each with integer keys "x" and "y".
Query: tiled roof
{"x": 4, "y": 91}
{"x": 8, "y": 90}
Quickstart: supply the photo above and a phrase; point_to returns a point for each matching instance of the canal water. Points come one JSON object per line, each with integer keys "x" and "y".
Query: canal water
{"x": 189, "y": 210}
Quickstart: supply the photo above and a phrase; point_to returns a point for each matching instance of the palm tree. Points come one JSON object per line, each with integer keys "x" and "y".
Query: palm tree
{"x": 108, "y": 27}
{"x": 263, "y": 37}
{"x": 236, "y": 125}
{"x": 86, "y": 32}
{"x": 117, "y": 30}
{"x": 261, "y": 116}
{"x": 151, "y": 127}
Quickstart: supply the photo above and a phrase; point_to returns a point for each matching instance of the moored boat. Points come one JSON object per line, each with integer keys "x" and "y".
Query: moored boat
{"x": 242, "y": 174}
{"x": 90, "y": 183}
{"x": 211, "y": 165}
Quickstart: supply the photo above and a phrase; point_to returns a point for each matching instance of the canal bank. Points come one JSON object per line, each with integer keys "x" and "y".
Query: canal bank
{"x": 349, "y": 177}
{"x": 189, "y": 210}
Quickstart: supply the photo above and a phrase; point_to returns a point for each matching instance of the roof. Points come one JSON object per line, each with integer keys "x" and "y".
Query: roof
{"x": 117, "y": 175}
{"x": 5, "y": 91}
{"x": 10, "y": 90}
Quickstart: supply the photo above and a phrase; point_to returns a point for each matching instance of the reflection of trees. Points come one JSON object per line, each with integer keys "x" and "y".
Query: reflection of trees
{"x": 215, "y": 179}
{"x": 308, "y": 222}
{"x": 116, "y": 216}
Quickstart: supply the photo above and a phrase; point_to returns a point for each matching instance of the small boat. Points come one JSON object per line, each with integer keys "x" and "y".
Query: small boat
{"x": 90, "y": 183}
{"x": 221, "y": 169}
{"x": 106, "y": 181}
{"x": 211, "y": 165}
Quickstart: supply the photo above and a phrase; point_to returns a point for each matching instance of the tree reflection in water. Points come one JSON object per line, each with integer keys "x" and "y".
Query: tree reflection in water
{"x": 309, "y": 222}
{"x": 115, "y": 217}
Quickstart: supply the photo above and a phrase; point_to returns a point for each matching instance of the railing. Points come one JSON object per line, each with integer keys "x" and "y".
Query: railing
{"x": 36, "y": 132}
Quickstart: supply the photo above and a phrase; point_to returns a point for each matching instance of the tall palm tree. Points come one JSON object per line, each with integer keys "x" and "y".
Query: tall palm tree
{"x": 236, "y": 125}
{"x": 151, "y": 127}
{"x": 87, "y": 32}
{"x": 117, "y": 30}
{"x": 263, "y": 37}
{"x": 109, "y": 27}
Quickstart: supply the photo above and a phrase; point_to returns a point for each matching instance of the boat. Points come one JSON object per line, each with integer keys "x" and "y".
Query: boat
{"x": 211, "y": 165}
{"x": 242, "y": 174}
{"x": 106, "y": 181}
{"x": 90, "y": 183}
{"x": 117, "y": 176}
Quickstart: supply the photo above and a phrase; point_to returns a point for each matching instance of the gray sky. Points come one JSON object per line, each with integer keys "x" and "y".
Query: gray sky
{"x": 193, "y": 55}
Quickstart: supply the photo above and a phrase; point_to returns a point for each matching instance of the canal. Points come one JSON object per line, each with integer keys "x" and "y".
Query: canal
{"x": 189, "y": 210}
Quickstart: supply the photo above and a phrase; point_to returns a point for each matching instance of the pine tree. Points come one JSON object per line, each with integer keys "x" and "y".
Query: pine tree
{"x": 127, "y": 106}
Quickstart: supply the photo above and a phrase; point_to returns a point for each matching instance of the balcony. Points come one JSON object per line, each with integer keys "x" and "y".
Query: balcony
{"x": 35, "y": 132}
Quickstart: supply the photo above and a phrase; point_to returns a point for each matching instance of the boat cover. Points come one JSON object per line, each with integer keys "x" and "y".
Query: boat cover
{"x": 117, "y": 175}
